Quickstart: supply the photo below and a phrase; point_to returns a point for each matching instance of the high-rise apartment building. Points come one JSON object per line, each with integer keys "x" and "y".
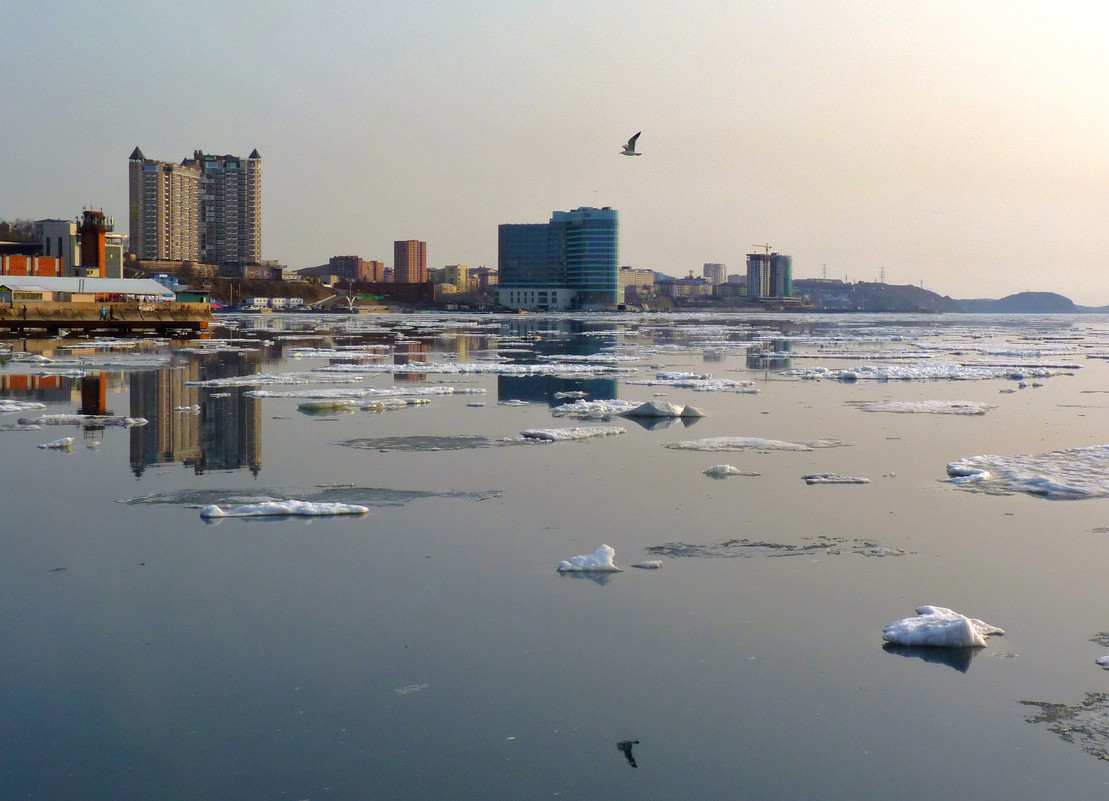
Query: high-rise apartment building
{"x": 715, "y": 273}
{"x": 769, "y": 275}
{"x": 164, "y": 209}
{"x": 570, "y": 262}
{"x": 409, "y": 262}
{"x": 230, "y": 208}
{"x": 207, "y": 208}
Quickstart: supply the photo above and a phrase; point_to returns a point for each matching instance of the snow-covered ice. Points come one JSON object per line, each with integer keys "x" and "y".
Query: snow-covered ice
{"x": 65, "y": 443}
{"x": 600, "y": 561}
{"x": 939, "y": 627}
{"x": 725, "y": 470}
{"x": 83, "y": 419}
{"x": 593, "y": 409}
{"x": 561, "y": 434}
{"x": 284, "y": 509}
{"x": 10, "y": 405}
{"x": 833, "y": 478}
{"x": 749, "y": 443}
{"x": 650, "y": 564}
{"x": 1072, "y": 474}
{"x": 924, "y": 407}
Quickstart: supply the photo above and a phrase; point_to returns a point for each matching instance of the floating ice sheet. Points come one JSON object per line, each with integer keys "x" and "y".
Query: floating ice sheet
{"x": 940, "y": 627}
{"x": 12, "y": 406}
{"x": 924, "y": 407}
{"x": 63, "y": 444}
{"x": 725, "y": 470}
{"x": 430, "y": 443}
{"x": 83, "y": 420}
{"x": 566, "y": 434}
{"x": 600, "y": 561}
{"x": 830, "y": 546}
{"x": 1072, "y": 474}
{"x": 593, "y": 409}
{"x": 362, "y": 496}
{"x": 287, "y": 508}
{"x": 923, "y": 371}
{"x": 833, "y": 478}
{"x": 363, "y": 393}
{"x": 749, "y": 444}
{"x": 1085, "y": 723}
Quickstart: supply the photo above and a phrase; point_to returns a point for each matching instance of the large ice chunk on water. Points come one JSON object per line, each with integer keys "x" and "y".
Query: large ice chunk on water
{"x": 655, "y": 408}
{"x": 284, "y": 509}
{"x": 940, "y": 627}
{"x": 600, "y": 561}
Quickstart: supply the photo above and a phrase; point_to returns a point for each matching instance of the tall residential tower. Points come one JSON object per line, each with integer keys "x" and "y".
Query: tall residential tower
{"x": 409, "y": 262}
{"x": 207, "y": 208}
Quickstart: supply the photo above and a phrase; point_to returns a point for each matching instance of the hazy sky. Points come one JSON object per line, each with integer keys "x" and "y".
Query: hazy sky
{"x": 960, "y": 144}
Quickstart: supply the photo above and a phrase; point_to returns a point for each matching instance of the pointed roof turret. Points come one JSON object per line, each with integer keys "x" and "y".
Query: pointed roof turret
{"x": 254, "y": 154}
{"x": 136, "y": 155}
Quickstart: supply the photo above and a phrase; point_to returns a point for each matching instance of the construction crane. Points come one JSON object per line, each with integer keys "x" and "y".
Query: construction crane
{"x": 763, "y": 246}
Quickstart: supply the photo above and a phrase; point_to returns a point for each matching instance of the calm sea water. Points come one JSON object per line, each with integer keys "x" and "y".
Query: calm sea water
{"x": 430, "y": 650}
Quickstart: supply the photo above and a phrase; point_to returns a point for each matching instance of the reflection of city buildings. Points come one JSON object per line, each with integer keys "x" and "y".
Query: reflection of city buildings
{"x": 407, "y": 353}
{"x": 186, "y": 424}
{"x": 574, "y": 339}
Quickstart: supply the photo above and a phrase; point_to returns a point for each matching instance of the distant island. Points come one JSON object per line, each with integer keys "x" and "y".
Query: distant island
{"x": 876, "y": 297}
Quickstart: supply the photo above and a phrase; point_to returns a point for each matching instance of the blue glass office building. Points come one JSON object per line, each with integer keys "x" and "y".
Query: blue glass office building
{"x": 570, "y": 262}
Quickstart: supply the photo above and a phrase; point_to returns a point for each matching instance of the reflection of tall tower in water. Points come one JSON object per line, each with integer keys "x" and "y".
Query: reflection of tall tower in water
{"x": 407, "y": 353}
{"x": 224, "y": 435}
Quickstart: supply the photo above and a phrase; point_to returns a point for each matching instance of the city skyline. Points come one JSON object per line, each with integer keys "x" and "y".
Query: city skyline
{"x": 961, "y": 147}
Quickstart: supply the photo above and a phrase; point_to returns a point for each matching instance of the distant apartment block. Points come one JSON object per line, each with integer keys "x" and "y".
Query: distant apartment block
{"x": 409, "y": 262}
{"x": 769, "y": 275}
{"x": 207, "y": 208}
{"x": 715, "y": 273}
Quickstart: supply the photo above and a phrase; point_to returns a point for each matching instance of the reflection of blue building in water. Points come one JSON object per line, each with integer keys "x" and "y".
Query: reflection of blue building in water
{"x": 568, "y": 263}
{"x": 573, "y": 339}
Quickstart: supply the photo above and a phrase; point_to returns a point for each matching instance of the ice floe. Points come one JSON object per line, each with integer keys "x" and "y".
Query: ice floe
{"x": 725, "y": 470}
{"x": 83, "y": 419}
{"x": 11, "y": 406}
{"x": 749, "y": 444}
{"x": 593, "y": 409}
{"x": 63, "y": 444}
{"x": 833, "y": 478}
{"x": 354, "y": 394}
{"x": 923, "y": 371}
{"x": 1072, "y": 474}
{"x": 1085, "y": 724}
{"x": 699, "y": 384}
{"x": 924, "y": 407}
{"x": 600, "y": 561}
{"x": 650, "y": 564}
{"x": 325, "y": 407}
{"x": 284, "y": 509}
{"x": 822, "y": 545}
{"x": 565, "y": 434}
{"x": 657, "y": 408}
{"x": 939, "y": 627}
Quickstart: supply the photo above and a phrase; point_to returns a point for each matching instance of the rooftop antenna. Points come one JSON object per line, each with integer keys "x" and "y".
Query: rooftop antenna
{"x": 882, "y": 272}
{"x": 825, "y": 271}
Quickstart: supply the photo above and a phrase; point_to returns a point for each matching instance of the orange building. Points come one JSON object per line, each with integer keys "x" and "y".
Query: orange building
{"x": 30, "y": 265}
{"x": 409, "y": 262}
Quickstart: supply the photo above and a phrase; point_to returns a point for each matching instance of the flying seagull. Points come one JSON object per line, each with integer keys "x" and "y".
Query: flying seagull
{"x": 626, "y": 745}
{"x": 629, "y": 148}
